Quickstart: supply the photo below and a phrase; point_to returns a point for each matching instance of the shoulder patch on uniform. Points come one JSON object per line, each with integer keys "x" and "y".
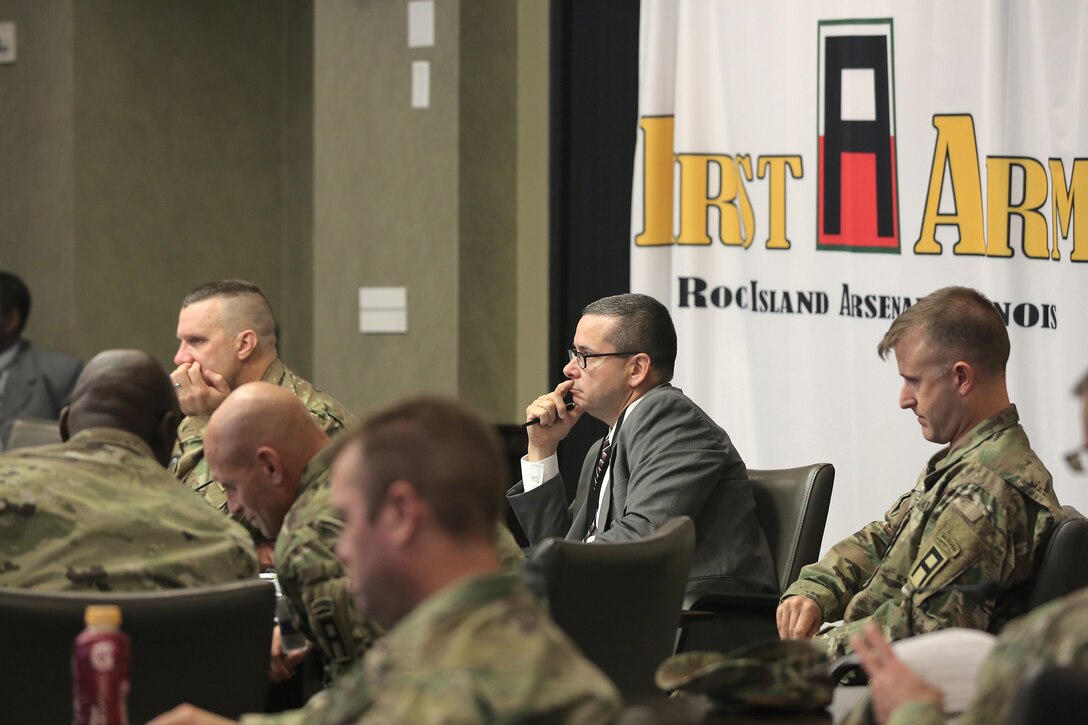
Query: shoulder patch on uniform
{"x": 927, "y": 567}
{"x": 947, "y": 544}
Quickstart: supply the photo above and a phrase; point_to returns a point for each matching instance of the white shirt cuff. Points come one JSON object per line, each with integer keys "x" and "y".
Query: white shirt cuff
{"x": 535, "y": 473}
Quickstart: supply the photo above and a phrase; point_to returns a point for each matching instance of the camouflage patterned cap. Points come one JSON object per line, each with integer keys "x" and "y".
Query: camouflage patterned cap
{"x": 788, "y": 674}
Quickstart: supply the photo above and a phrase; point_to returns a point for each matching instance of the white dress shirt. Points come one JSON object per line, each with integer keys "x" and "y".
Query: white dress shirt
{"x": 535, "y": 473}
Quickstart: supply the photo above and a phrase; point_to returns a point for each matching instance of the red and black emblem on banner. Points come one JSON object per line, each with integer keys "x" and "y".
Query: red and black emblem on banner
{"x": 858, "y": 206}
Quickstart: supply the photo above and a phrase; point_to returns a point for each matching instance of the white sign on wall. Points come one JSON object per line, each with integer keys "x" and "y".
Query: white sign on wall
{"x": 804, "y": 171}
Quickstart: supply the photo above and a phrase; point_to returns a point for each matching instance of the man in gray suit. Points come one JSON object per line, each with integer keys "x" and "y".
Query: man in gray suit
{"x": 663, "y": 456}
{"x": 34, "y": 382}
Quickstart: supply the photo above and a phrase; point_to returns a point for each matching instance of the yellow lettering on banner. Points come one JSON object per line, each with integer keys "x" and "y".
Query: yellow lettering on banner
{"x": 1063, "y": 210}
{"x": 956, "y": 148}
{"x": 999, "y": 206}
{"x": 776, "y": 166}
{"x": 657, "y": 165}
{"x": 747, "y": 214}
{"x": 695, "y": 200}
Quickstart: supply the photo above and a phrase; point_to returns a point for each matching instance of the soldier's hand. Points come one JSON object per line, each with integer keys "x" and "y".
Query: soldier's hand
{"x": 798, "y": 617}
{"x": 199, "y": 391}
{"x": 189, "y": 715}
{"x": 282, "y": 666}
{"x": 266, "y": 555}
{"x": 555, "y": 421}
{"x": 891, "y": 683}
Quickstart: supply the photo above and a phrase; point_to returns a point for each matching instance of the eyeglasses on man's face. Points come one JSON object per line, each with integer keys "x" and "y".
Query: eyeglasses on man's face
{"x": 581, "y": 357}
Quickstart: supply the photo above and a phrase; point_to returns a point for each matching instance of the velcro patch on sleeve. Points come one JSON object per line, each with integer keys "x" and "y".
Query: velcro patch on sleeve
{"x": 927, "y": 567}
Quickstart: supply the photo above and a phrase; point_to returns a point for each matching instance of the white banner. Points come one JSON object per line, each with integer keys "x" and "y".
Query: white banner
{"x": 804, "y": 170}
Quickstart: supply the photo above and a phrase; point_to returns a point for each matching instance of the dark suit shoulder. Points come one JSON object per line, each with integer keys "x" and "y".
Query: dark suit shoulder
{"x": 52, "y": 362}
{"x": 667, "y": 408}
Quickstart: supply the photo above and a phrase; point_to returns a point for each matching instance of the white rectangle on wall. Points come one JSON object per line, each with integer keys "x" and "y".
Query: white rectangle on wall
{"x": 7, "y": 42}
{"x": 421, "y": 24}
{"x": 383, "y": 310}
{"x": 421, "y": 84}
{"x": 375, "y": 322}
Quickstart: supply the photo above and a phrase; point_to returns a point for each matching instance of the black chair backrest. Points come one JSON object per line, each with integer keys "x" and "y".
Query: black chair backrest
{"x": 1062, "y": 568}
{"x": 1049, "y": 694}
{"x": 620, "y": 602}
{"x": 207, "y": 646}
{"x": 791, "y": 505}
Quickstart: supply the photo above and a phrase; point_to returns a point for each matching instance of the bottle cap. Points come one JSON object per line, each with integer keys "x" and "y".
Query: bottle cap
{"x": 102, "y": 615}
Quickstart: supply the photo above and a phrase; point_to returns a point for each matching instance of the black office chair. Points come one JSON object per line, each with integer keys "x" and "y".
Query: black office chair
{"x": 620, "y": 601}
{"x": 1061, "y": 569}
{"x": 791, "y": 505}
{"x": 207, "y": 646}
{"x": 1050, "y": 694}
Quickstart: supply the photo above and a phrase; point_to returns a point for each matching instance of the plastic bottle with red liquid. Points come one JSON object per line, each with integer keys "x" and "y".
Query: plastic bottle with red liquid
{"x": 100, "y": 669}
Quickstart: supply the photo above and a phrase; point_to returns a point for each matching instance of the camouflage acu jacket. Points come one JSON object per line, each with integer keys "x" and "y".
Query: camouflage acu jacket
{"x": 480, "y": 651}
{"x": 189, "y": 465}
{"x": 978, "y": 513}
{"x": 314, "y": 580}
{"x": 100, "y": 513}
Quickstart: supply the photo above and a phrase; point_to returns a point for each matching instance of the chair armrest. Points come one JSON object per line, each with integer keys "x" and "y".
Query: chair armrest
{"x": 725, "y": 605}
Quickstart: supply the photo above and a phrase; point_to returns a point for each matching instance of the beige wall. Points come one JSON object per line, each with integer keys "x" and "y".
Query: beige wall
{"x": 431, "y": 200}
{"x": 150, "y": 147}
{"x": 179, "y": 159}
{"x": 37, "y": 230}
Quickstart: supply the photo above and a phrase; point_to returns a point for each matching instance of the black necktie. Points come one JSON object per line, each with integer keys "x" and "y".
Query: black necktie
{"x": 595, "y": 488}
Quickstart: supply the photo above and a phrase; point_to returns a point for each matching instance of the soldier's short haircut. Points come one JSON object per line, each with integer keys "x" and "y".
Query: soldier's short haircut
{"x": 644, "y": 325}
{"x": 449, "y": 455}
{"x": 14, "y": 295}
{"x": 958, "y": 323}
{"x": 254, "y": 310}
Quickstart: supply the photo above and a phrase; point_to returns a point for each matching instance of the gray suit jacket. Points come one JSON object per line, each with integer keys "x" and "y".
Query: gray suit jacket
{"x": 669, "y": 459}
{"x": 40, "y": 384}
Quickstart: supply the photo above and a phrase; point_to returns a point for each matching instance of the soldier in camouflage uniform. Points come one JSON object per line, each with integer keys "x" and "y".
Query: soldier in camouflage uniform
{"x": 99, "y": 512}
{"x": 274, "y": 466}
{"x": 227, "y": 337}
{"x": 978, "y": 513}
{"x": 1054, "y": 634}
{"x": 420, "y": 486}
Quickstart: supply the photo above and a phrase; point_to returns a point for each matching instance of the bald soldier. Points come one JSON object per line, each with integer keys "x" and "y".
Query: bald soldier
{"x": 99, "y": 512}
{"x": 227, "y": 337}
{"x": 273, "y": 463}
{"x": 420, "y": 488}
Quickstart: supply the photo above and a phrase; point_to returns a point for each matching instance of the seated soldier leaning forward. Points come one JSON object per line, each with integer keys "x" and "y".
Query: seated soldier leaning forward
{"x": 273, "y": 462}
{"x": 419, "y": 487}
{"x": 976, "y": 518}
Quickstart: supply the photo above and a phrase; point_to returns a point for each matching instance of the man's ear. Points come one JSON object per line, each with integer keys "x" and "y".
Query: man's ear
{"x": 246, "y": 343}
{"x": 402, "y": 512}
{"x": 640, "y": 369}
{"x": 167, "y": 432}
{"x": 10, "y": 321}
{"x": 63, "y": 423}
{"x": 268, "y": 459}
{"x": 963, "y": 375}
